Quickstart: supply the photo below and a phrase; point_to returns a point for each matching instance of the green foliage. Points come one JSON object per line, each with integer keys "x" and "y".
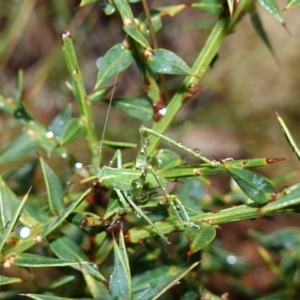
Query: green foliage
{"x": 103, "y": 232}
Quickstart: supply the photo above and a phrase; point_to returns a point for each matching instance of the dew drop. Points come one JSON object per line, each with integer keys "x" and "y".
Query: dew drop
{"x": 231, "y": 259}
{"x": 49, "y": 134}
{"x": 66, "y": 34}
{"x": 138, "y": 215}
{"x": 127, "y": 21}
{"x": 1, "y": 104}
{"x": 98, "y": 61}
{"x": 146, "y": 142}
{"x": 9, "y": 261}
{"x": 197, "y": 151}
{"x": 64, "y": 155}
{"x": 78, "y": 165}
{"x": 165, "y": 69}
{"x": 24, "y": 232}
{"x": 38, "y": 238}
{"x": 162, "y": 111}
{"x": 31, "y": 123}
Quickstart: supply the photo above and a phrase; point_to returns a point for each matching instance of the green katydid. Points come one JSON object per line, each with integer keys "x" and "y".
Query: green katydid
{"x": 131, "y": 185}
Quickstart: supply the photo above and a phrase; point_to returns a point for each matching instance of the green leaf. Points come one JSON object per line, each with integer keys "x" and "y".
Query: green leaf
{"x": 167, "y": 62}
{"x": 288, "y": 135}
{"x": 65, "y": 248}
{"x": 167, "y": 159}
{"x": 154, "y": 283}
{"x": 19, "y": 147}
{"x": 120, "y": 279}
{"x": 124, "y": 9}
{"x": 199, "y": 238}
{"x": 139, "y": 108}
{"x": 272, "y": 8}
{"x": 57, "y": 221}
{"x": 107, "y": 7}
{"x": 210, "y": 6}
{"x": 37, "y": 261}
{"x": 255, "y": 19}
{"x": 78, "y": 87}
{"x": 190, "y": 194}
{"x": 74, "y": 130}
{"x": 59, "y": 123}
{"x": 135, "y": 34}
{"x": 10, "y": 221}
{"x": 99, "y": 94}
{"x": 9, "y": 203}
{"x": 8, "y": 280}
{"x": 292, "y": 4}
{"x": 255, "y": 186}
{"x": 116, "y": 60}
{"x": 97, "y": 289}
{"x": 54, "y": 188}
{"x": 156, "y": 14}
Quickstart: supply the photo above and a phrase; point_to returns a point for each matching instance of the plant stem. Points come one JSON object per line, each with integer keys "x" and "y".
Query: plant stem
{"x": 206, "y": 56}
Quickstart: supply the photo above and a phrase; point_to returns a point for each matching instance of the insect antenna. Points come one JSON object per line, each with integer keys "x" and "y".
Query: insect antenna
{"x": 107, "y": 114}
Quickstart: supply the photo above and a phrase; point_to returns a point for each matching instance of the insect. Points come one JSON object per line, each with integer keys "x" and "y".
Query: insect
{"x": 133, "y": 185}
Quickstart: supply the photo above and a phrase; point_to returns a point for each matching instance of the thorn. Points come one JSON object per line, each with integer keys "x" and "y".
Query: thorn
{"x": 274, "y": 160}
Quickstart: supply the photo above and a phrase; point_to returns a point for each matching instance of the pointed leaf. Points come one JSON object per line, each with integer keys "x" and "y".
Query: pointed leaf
{"x": 8, "y": 227}
{"x": 8, "y": 280}
{"x": 54, "y": 188}
{"x": 124, "y": 9}
{"x": 292, "y": 4}
{"x": 210, "y": 6}
{"x": 230, "y": 6}
{"x": 272, "y": 8}
{"x": 99, "y": 94}
{"x": 120, "y": 279}
{"x": 135, "y": 34}
{"x": 139, "y": 108}
{"x": 19, "y": 147}
{"x": 167, "y": 159}
{"x": 64, "y": 247}
{"x": 59, "y": 123}
{"x": 255, "y": 186}
{"x": 57, "y": 221}
{"x": 130, "y": 26}
{"x": 156, "y": 282}
{"x": 107, "y": 7}
{"x": 9, "y": 203}
{"x": 156, "y": 14}
{"x": 97, "y": 289}
{"x": 116, "y": 60}
{"x": 37, "y": 261}
{"x": 255, "y": 19}
{"x": 74, "y": 130}
{"x": 167, "y": 62}
{"x": 288, "y": 135}
{"x": 70, "y": 57}
{"x": 199, "y": 238}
